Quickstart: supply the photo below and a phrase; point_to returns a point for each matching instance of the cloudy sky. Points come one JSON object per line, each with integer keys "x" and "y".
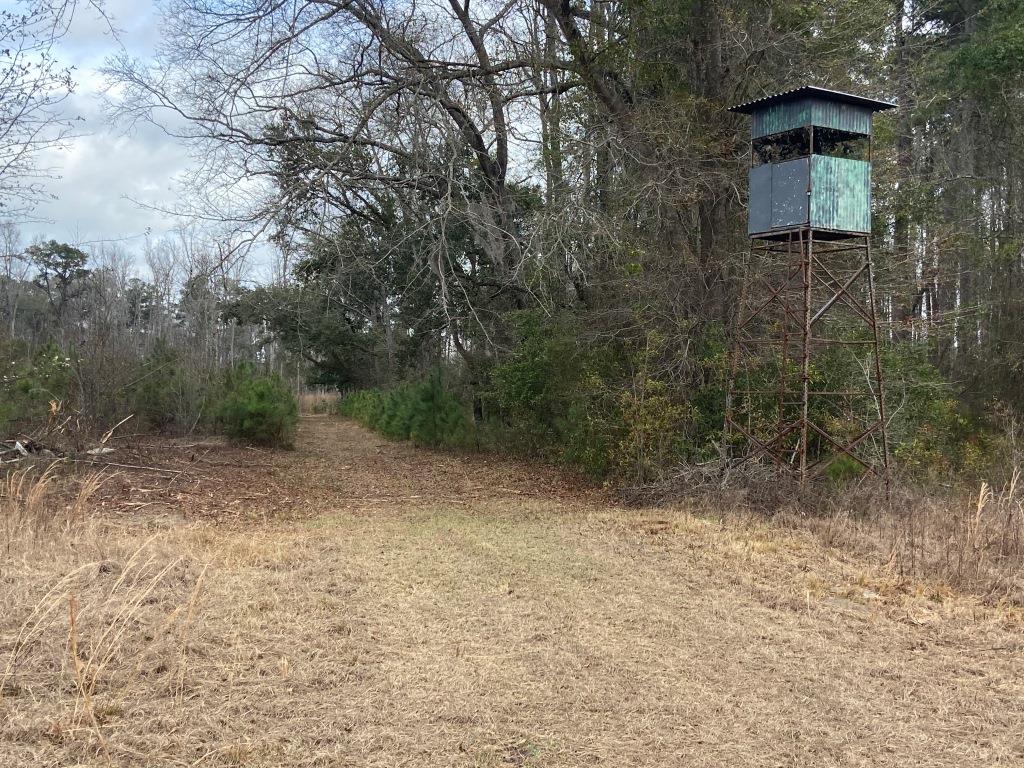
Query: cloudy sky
{"x": 108, "y": 167}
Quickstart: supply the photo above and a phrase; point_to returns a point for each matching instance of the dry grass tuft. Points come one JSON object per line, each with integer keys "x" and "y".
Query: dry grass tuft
{"x": 34, "y": 502}
{"x": 318, "y": 402}
{"x": 969, "y": 542}
{"x": 24, "y": 510}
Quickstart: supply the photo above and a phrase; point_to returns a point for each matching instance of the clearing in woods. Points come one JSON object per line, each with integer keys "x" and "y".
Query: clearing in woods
{"x": 361, "y": 603}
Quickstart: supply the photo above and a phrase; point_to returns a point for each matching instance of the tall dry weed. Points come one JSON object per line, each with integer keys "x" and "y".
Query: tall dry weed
{"x": 104, "y": 627}
{"x": 969, "y": 540}
{"x": 981, "y": 538}
{"x": 973, "y": 541}
{"x": 320, "y": 401}
{"x": 34, "y": 502}
{"x": 24, "y": 507}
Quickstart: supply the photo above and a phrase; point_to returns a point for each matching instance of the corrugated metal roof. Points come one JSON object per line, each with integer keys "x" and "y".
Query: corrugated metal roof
{"x": 812, "y": 90}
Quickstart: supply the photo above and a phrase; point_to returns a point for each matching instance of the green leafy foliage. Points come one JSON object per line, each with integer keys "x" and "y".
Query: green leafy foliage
{"x": 601, "y": 408}
{"x": 164, "y": 397}
{"x": 426, "y": 413}
{"x": 992, "y": 60}
{"x": 437, "y": 418}
{"x": 365, "y": 406}
{"x": 932, "y": 433}
{"x": 257, "y": 408}
{"x": 29, "y": 385}
{"x": 550, "y": 397}
{"x": 843, "y": 470}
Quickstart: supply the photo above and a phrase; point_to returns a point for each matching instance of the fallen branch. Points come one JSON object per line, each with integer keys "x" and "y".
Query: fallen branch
{"x": 140, "y": 467}
{"x": 110, "y": 432}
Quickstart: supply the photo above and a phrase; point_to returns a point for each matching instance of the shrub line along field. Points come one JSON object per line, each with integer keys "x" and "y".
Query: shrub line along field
{"x": 361, "y": 602}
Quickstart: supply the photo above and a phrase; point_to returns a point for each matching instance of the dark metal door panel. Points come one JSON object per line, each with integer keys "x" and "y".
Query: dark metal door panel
{"x": 790, "y": 182}
{"x": 760, "y": 205}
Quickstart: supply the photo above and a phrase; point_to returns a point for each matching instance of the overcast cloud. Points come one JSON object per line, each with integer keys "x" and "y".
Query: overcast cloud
{"x": 105, "y": 169}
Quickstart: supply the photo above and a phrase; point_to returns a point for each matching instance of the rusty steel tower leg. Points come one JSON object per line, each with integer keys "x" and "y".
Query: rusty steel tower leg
{"x": 883, "y": 425}
{"x": 814, "y": 315}
{"x": 786, "y": 340}
{"x": 807, "y": 268}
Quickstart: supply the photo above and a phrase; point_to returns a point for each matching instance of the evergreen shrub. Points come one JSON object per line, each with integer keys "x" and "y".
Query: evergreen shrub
{"x": 28, "y": 386}
{"x": 426, "y": 413}
{"x": 257, "y": 409}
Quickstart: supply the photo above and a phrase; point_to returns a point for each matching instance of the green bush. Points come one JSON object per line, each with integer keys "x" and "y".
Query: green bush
{"x": 28, "y": 386}
{"x": 843, "y": 470}
{"x": 550, "y": 397}
{"x": 156, "y": 394}
{"x": 932, "y": 434}
{"x": 598, "y": 407}
{"x": 365, "y": 406}
{"x": 395, "y": 422}
{"x": 436, "y": 416}
{"x": 588, "y": 438}
{"x": 426, "y": 413}
{"x": 257, "y": 409}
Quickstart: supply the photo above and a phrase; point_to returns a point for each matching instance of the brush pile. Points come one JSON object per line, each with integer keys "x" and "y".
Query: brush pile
{"x": 12, "y": 451}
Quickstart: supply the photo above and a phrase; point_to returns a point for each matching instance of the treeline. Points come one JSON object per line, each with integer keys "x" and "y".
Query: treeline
{"x": 544, "y": 201}
{"x": 86, "y": 342}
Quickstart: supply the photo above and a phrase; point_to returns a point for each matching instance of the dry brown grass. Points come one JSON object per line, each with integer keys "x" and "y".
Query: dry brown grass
{"x": 425, "y": 610}
{"x": 318, "y": 402}
{"x": 33, "y": 503}
{"x": 971, "y": 542}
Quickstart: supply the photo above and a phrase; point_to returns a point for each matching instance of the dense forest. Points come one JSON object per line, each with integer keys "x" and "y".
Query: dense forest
{"x": 521, "y": 224}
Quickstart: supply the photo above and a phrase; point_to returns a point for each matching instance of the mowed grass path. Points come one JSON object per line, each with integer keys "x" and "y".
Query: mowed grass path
{"x": 362, "y": 603}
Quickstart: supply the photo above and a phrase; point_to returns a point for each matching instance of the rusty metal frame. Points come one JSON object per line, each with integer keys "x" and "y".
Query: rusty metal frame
{"x": 787, "y": 325}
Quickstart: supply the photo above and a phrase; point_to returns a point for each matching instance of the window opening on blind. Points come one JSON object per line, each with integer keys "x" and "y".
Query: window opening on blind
{"x": 836, "y": 143}
{"x": 780, "y": 147}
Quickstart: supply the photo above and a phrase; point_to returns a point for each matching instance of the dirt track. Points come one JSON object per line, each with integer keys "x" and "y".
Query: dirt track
{"x": 358, "y": 602}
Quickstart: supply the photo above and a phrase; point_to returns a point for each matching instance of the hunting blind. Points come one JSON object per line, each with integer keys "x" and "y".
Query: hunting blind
{"x": 810, "y": 162}
{"x": 807, "y": 319}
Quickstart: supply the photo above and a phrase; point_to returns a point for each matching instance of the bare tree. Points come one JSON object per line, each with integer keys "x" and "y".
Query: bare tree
{"x": 15, "y": 270}
{"x": 364, "y": 109}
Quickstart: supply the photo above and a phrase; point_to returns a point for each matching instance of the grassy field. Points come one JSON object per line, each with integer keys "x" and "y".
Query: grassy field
{"x": 357, "y": 602}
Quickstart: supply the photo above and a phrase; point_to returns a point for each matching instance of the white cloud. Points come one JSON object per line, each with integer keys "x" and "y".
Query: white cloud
{"x": 104, "y": 170}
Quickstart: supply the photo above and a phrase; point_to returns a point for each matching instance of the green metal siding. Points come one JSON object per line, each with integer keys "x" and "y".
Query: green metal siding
{"x": 840, "y": 194}
{"x": 785, "y": 116}
{"x": 845, "y": 117}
